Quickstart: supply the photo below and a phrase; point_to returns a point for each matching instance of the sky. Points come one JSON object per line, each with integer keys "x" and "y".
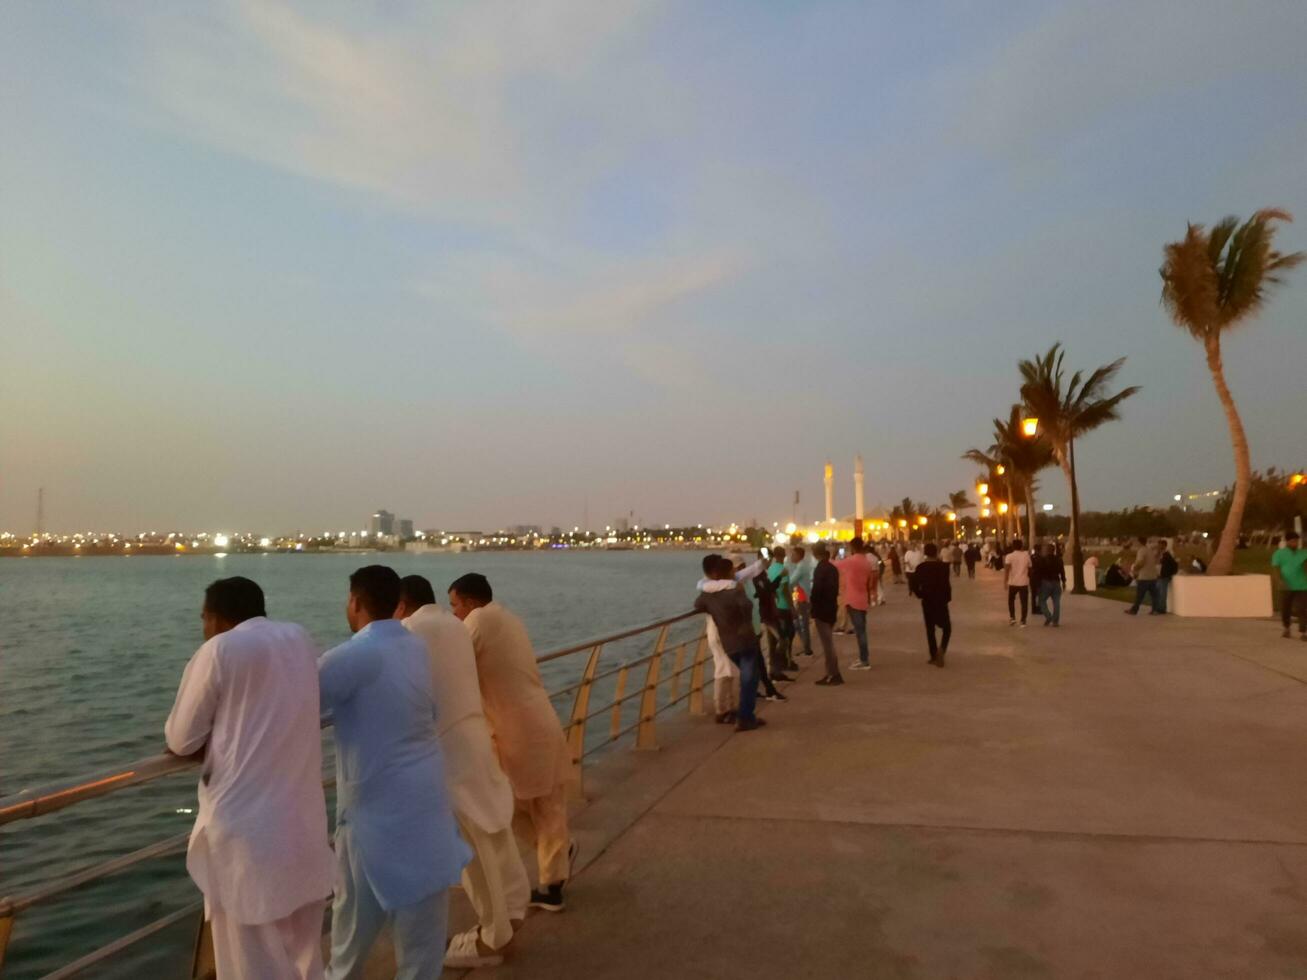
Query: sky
{"x": 273, "y": 266}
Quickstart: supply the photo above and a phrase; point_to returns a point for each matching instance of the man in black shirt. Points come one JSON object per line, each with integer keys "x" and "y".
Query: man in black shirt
{"x": 935, "y": 591}
{"x": 825, "y": 602}
{"x": 1048, "y": 576}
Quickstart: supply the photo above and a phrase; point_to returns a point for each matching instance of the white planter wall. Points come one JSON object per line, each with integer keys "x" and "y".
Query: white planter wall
{"x": 1225, "y": 596}
{"x": 1091, "y": 580}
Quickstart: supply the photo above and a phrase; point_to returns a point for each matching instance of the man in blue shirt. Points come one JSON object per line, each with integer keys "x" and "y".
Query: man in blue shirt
{"x": 799, "y": 569}
{"x": 397, "y": 843}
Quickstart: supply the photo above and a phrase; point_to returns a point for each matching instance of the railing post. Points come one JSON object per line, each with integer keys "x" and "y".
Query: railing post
{"x": 203, "y": 964}
{"x": 676, "y": 670}
{"x": 581, "y": 708}
{"x": 644, "y": 735}
{"x": 6, "y": 928}
{"x": 696, "y": 675}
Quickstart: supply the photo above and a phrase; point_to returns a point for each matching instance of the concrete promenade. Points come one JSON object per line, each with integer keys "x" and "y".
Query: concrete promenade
{"x": 1121, "y": 797}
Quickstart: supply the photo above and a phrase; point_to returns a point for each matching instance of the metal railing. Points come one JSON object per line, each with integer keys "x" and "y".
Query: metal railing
{"x": 689, "y": 656}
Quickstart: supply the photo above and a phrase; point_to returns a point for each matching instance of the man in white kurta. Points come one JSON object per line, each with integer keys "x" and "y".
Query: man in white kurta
{"x": 259, "y": 850}
{"x": 495, "y": 881}
{"x": 527, "y": 735}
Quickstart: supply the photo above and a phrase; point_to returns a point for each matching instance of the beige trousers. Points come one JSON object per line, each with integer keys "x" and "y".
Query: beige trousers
{"x": 542, "y": 823}
{"x": 495, "y": 882}
{"x": 290, "y": 947}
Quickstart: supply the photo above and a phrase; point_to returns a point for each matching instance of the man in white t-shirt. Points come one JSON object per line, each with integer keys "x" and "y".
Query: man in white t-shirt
{"x": 1016, "y": 576}
{"x": 913, "y": 557}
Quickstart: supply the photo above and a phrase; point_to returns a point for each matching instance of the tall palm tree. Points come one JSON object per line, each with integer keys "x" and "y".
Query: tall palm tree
{"x": 958, "y": 501}
{"x": 1068, "y": 408}
{"x": 989, "y": 460}
{"x": 1213, "y": 281}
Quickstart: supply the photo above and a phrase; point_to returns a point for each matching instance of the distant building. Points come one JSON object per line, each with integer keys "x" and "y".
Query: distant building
{"x": 383, "y": 522}
{"x": 524, "y": 530}
{"x": 406, "y": 529}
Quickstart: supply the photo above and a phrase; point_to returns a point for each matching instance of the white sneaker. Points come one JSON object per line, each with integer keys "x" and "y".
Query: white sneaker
{"x": 859, "y": 665}
{"x": 463, "y": 954}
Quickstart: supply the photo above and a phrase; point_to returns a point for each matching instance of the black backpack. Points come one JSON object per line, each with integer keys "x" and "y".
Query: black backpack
{"x": 1169, "y": 565}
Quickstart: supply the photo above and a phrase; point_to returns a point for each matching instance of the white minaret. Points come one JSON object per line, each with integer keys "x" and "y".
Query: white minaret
{"x": 830, "y": 492}
{"x": 857, "y": 488}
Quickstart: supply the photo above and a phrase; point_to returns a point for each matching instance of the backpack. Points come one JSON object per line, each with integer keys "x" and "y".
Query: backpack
{"x": 1169, "y": 565}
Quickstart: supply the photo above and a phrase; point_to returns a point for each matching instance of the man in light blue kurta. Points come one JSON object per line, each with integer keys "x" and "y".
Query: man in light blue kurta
{"x": 397, "y": 844}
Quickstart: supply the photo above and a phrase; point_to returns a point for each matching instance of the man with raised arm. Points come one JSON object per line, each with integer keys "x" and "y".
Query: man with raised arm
{"x": 397, "y": 844}
{"x": 527, "y": 735}
{"x": 495, "y": 881}
{"x": 259, "y": 851}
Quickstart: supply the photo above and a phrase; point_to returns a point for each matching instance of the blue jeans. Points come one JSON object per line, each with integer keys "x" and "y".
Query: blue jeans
{"x": 1163, "y": 585}
{"x": 1148, "y": 588}
{"x": 803, "y": 618}
{"x": 747, "y": 663}
{"x": 859, "y": 618}
{"x": 1051, "y": 590}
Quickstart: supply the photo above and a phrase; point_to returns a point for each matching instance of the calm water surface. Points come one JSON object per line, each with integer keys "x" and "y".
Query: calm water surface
{"x": 91, "y": 650}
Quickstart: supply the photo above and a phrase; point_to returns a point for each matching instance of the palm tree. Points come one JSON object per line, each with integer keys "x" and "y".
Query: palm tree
{"x": 1026, "y": 456}
{"x": 957, "y": 501}
{"x": 989, "y": 460}
{"x": 1068, "y": 408}
{"x": 1212, "y": 281}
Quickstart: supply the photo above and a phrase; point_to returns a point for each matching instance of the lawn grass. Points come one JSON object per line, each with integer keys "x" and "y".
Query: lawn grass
{"x": 1247, "y": 561}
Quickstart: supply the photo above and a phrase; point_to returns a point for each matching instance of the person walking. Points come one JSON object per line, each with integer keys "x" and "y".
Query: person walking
{"x": 1145, "y": 572}
{"x": 398, "y": 850}
{"x": 1290, "y": 560}
{"x": 911, "y": 559}
{"x": 527, "y": 734}
{"x": 825, "y": 606}
{"x": 855, "y": 584}
{"x": 799, "y": 569}
{"x": 936, "y": 592}
{"x": 259, "y": 850}
{"x": 1016, "y": 576}
{"x": 955, "y": 558}
{"x": 1167, "y": 568}
{"x": 971, "y": 556}
{"x": 896, "y": 563}
{"x": 1051, "y": 575}
{"x": 495, "y": 879}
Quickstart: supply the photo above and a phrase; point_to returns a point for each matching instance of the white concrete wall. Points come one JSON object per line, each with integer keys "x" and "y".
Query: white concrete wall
{"x": 1226, "y": 596}
{"x": 1091, "y": 580}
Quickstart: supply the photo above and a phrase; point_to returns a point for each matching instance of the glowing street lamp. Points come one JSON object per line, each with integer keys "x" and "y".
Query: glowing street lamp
{"x": 982, "y": 488}
{"x": 952, "y": 517}
{"x": 922, "y": 520}
{"x": 1297, "y": 480}
{"x": 1029, "y": 427}
{"x": 1000, "y": 469}
{"x": 1048, "y": 508}
{"x": 984, "y": 512}
{"x": 903, "y": 522}
{"x": 1002, "y": 508}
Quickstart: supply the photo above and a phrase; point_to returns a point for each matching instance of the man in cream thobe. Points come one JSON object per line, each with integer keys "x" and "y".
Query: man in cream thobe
{"x": 259, "y": 851}
{"x": 495, "y": 880}
{"x": 527, "y": 735}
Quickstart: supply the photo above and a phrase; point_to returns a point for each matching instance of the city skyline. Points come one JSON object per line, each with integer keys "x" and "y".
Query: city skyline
{"x": 264, "y": 265}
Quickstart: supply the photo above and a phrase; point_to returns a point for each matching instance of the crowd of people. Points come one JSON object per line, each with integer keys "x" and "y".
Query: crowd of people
{"x": 447, "y": 749}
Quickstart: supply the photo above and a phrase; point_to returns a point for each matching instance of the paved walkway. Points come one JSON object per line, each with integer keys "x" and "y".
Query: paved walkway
{"x": 1122, "y": 797}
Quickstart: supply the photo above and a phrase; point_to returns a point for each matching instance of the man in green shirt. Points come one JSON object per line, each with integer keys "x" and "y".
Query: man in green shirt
{"x": 1290, "y": 560}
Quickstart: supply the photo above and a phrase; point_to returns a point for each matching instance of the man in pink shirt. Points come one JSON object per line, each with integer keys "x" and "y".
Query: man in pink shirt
{"x": 855, "y": 585}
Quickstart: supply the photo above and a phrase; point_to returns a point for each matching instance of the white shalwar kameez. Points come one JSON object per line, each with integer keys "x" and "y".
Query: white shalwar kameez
{"x": 495, "y": 880}
{"x": 259, "y": 850}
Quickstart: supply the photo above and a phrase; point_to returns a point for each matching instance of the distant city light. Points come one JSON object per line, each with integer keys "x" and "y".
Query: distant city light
{"x": 219, "y": 541}
{"x": 1047, "y": 507}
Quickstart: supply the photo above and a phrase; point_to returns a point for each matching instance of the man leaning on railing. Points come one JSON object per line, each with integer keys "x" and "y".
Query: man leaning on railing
{"x": 248, "y": 701}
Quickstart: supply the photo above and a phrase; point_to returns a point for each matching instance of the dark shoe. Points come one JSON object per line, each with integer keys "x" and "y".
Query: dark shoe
{"x": 748, "y": 725}
{"x": 723, "y": 717}
{"x": 938, "y": 661}
{"x": 1132, "y": 612}
{"x": 550, "y": 899}
{"x": 831, "y": 681}
{"x": 778, "y": 678}
{"x": 1286, "y": 634}
{"x": 792, "y": 666}
{"x": 778, "y": 696}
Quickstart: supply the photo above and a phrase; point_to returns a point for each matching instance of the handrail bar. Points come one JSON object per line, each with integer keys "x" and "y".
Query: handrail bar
{"x": 614, "y": 637}
{"x": 40, "y": 800}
